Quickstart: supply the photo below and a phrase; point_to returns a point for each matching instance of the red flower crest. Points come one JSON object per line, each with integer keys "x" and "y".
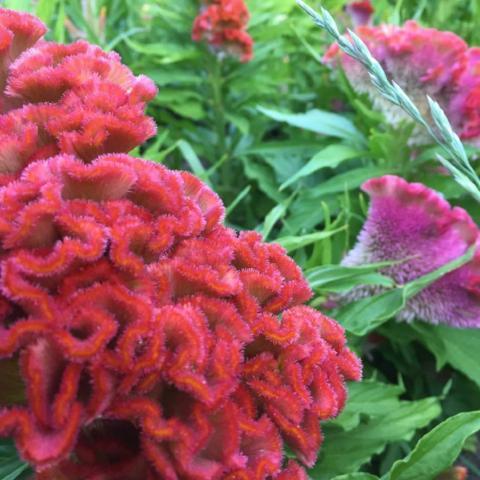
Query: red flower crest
{"x": 153, "y": 342}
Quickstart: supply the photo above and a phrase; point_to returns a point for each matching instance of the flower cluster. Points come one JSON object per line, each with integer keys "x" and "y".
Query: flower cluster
{"x": 73, "y": 99}
{"x": 414, "y": 225}
{"x": 423, "y": 61}
{"x": 144, "y": 339}
{"x": 360, "y": 12}
{"x": 222, "y": 24}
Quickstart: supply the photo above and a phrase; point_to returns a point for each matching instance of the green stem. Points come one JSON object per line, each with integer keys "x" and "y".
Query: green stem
{"x": 216, "y": 82}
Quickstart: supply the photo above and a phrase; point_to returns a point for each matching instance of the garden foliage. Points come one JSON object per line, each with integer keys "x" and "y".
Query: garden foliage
{"x": 188, "y": 188}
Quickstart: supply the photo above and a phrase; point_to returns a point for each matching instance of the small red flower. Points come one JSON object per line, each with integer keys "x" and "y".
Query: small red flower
{"x": 69, "y": 99}
{"x": 361, "y": 12}
{"x": 222, "y": 24}
{"x": 153, "y": 342}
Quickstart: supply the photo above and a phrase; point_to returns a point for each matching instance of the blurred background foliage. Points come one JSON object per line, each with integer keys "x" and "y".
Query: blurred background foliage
{"x": 286, "y": 143}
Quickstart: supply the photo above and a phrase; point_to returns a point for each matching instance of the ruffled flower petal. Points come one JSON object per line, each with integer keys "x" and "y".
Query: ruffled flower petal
{"x": 143, "y": 339}
{"x": 411, "y": 224}
{"x": 222, "y": 24}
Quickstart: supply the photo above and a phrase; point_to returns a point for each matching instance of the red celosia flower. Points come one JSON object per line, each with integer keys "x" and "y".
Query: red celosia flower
{"x": 454, "y": 473}
{"x": 18, "y": 32}
{"x": 153, "y": 342}
{"x": 222, "y": 25}
{"x": 65, "y": 99}
{"x": 361, "y": 12}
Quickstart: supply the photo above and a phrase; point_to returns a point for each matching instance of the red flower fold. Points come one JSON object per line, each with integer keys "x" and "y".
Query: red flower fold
{"x": 152, "y": 341}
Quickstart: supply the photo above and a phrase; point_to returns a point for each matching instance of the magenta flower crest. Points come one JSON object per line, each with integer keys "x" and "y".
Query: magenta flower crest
{"x": 411, "y": 223}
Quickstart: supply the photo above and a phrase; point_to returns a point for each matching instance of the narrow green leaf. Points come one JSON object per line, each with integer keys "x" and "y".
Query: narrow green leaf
{"x": 273, "y": 216}
{"x": 319, "y": 121}
{"x": 338, "y": 278}
{"x": 357, "y": 476}
{"x": 238, "y": 199}
{"x": 349, "y": 180}
{"x": 192, "y": 159}
{"x": 46, "y": 9}
{"x": 438, "y": 449}
{"x": 366, "y": 314}
{"x": 331, "y": 156}
{"x": 292, "y": 243}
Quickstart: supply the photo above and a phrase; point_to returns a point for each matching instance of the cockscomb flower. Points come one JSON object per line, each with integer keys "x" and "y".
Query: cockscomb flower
{"x": 142, "y": 338}
{"x": 409, "y": 223}
{"x": 222, "y": 24}
{"x": 65, "y": 99}
{"x": 423, "y": 61}
{"x": 464, "y": 107}
{"x": 361, "y": 12}
{"x": 151, "y": 339}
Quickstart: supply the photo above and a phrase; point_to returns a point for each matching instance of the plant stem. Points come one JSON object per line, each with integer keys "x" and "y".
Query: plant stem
{"x": 216, "y": 81}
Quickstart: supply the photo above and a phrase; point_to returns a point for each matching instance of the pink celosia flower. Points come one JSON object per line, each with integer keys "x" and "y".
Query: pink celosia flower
{"x": 222, "y": 24}
{"x": 361, "y": 12}
{"x": 410, "y": 222}
{"x": 153, "y": 342}
{"x": 464, "y": 108}
{"x": 423, "y": 61}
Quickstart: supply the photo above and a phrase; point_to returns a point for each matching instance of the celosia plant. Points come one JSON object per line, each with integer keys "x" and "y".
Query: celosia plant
{"x": 361, "y": 12}
{"x": 423, "y": 61}
{"x": 410, "y": 223}
{"x": 152, "y": 341}
{"x": 222, "y": 24}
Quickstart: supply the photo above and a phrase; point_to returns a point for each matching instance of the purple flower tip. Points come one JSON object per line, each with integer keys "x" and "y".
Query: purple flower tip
{"x": 413, "y": 224}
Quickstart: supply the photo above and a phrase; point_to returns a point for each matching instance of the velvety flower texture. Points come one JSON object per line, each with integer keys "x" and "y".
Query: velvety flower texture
{"x": 73, "y": 99}
{"x": 410, "y": 222}
{"x": 140, "y": 338}
{"x": 423, "y": 61}
{"x": 222, "y": 24}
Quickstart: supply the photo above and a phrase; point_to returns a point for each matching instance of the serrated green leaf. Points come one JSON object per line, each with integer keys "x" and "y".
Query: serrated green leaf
{"x": 438, "y": 449}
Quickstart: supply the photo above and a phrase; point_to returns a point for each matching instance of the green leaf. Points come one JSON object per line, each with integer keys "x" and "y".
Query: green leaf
{"x": 438, "y": 449}
{"x": 356, "y": 476}
{"x": 46, "y": 9}
{"x": 192, "y": 159}
{"x": 366, "y": 314}
{"x": 330, "y": 157}
{"x": 292, "y": 243}
{"x": 338, "y": 278}
{"x": 238, "y": 199}
{"x": 368, "y": 397}
{"x": 275, "y": 214}
{"x": 319, "y": 121}
{"x": 11, "y": 467}
{"x": 349, "y": 180}
{"x": 458, "y": 347}
{"x": 370, "y": 429}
